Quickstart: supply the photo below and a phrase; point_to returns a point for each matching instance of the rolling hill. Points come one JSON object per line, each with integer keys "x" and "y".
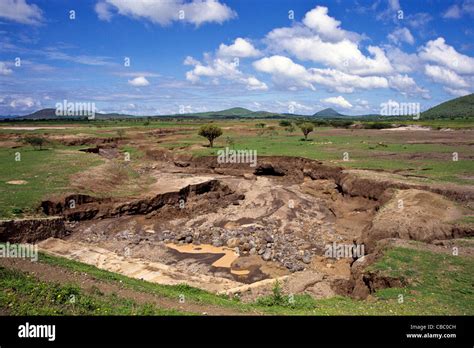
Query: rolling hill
{"x": 50, "y": 114}
{"x": 329, "y": 112}
{"x": 458, "y": 107}
{"x": 462, "y": 107}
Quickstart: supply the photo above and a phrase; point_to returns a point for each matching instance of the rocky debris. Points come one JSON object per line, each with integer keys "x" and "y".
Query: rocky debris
{"x": 293, "y": 252}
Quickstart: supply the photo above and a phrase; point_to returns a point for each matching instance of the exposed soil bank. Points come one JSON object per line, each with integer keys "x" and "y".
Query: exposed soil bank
{"x": 351, "y": 182}
{"x": 31, "y": 230}
{"x": 79, "y": 207}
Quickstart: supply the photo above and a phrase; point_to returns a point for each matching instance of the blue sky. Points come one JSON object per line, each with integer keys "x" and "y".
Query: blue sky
{"x": 199, "y": 55}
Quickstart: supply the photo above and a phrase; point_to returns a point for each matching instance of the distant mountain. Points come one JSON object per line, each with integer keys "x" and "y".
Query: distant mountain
{"x": 329, "y": 112}
{"x": 458, "y": 107}
{"x": 50, "y": 114}
{"x": 44, "y": 114}
{"x": 234, "y": 112}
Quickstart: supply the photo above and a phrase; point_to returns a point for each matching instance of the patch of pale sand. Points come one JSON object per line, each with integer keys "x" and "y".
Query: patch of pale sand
{"x": 409, "y": 128}
{"x": 17, "y": 182}
{"x": 229, "y": 255}
{"x": 151, "y": 271}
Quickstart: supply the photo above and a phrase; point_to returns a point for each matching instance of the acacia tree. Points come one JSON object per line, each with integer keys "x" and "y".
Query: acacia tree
{"x": 306, "y": 128}
{"x": 210, "y": 132}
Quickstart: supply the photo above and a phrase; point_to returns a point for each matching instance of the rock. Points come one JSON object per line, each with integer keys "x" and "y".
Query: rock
{"x": 245, "y": 247}
{"x": 261, "y": 251}
{"x": 269, "y": 239}
{"x": 253, "y": 251}
{"x": 217, "y": 243}
{"x": 233, "y": 242}
{"x": 307, "y": 259}
{"x": 189, "y": 239}
{"x": 298, "y": 283}
{"x": 267, "y": 255}
{"x": 248, "y": 176}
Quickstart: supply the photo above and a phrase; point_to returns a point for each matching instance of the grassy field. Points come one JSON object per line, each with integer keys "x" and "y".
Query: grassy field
{"x": 376, "y": 151}
{"x": 22, "y": 294}
{"x": 46, "y": 172}
{"x": 438, "y": 284}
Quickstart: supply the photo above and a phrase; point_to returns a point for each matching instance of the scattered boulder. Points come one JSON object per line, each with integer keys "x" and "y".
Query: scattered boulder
{"x": 267, "y": 254}
{"x": 233, "y": 242}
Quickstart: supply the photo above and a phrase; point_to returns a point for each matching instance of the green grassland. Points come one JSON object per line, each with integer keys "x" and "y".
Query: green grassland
{"x": 364, "y": 153}
{"x": 46, "y": 172}
{"x": 439, "y": 284}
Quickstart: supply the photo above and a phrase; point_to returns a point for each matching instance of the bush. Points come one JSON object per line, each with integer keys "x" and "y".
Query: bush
{"x": 320, "y": 123}
{"x": 285, "y": 123}
{"x": 340, "y": 123}
{"x": 120, "y": 133}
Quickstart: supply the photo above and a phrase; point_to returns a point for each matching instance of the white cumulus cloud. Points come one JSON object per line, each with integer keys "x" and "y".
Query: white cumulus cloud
{"x": 289, "y": 74}
{"x": 164, "y": 12}
{"x": 445, "y": 76}
{"x": 400, "y": 35}
{"x": 240, "y": 48}
{"x": 226, "y": 69}
{"x": 326, "y": 43}
{"x": 4, "y": 70}
{"x": 20, "y": 11}
{"x": 139, "y": 81}
{"x": 437, "y": 51}
{"x": 338, "y": 101}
